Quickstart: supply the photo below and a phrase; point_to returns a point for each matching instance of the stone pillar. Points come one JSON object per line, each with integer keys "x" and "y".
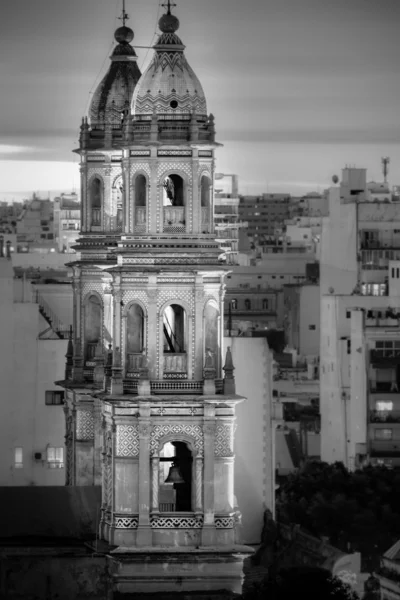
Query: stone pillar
{"x": 98, "y": 442}
{"x": 198, "y": 328}
{"x": 199, "y": 485}
{"x": 144, "y": 534}
{"x": 76, "y": 307}
{"x": 108, "y": 315}
{"x": 117, "y": 298}
{"x": 209, "y": 533}
{"x": 154, "y": 211}
{"x": 196, "y": 198}
{"x": 106, "y": 207}
{"x": 84, "y": 444}
{"x": 155, "y": 463}
{"x": 126, "y": 198}
{"x": 104, "y": 482}
{"x": 84, "y": 198}
{"x": 152, "y": 328}
{"x": 77, "y": 367}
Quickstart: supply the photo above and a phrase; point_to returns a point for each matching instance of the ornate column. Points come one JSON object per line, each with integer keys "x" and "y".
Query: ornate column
{"x": 155, "y": 463}
{"x": 154, "y": 208}
{"x": 84, "y": 198}
{"x": 153, "y": 331}
{"x": 106, "y": 208}
{"x": 199, "y": 485}
{"x": 98, "y": 442}
{"x": 126, "y": 198}
{"x": 144, "y": 534}
{"x": 196, "y": 195}
{"x": 77, "y": 300}
{"x": 117, "y": 298}
{"x": 209, "y": 533}
{"x": 198, "y": 330}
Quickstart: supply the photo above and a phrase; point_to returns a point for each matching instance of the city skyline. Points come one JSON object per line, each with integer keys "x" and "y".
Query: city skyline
{"x": 299, "y": 88}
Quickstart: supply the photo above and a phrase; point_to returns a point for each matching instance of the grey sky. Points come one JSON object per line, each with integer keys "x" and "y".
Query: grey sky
{"x": 322, "y": 74}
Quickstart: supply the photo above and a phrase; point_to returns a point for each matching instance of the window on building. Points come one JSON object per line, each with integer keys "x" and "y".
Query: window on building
{"x": 265, "y": 304}
{"x": 312, "y": 327}
{"x": 384, "y": 406}
{"x": 234, "y": 303}
{"x": 55, "y": 457}
{"x": 348, "y": 314}
{"x": 348, "y": 346}
{"x": 54, "y": 397}
{"x": 383, "y": 434}
{"x": 247, "y": 304}
{"x": 18, "y": 458}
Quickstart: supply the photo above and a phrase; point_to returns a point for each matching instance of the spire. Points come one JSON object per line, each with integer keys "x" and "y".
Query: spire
{"x": 168, "y": 6}
{"x": 124, "y": 17}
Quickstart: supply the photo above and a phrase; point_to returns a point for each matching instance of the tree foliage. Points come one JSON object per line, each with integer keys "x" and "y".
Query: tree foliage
{"x": 357, "y": 511}
{"x": 304, "y": 582}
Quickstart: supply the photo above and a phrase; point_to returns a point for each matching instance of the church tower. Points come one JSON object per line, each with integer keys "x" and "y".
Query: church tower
{"x": 150, "y": 404}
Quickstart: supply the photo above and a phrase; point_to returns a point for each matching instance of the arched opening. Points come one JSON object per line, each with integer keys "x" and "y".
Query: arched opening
{"x": 96, "y": 201}
{"x": 234, "y": 303}
{"x": 134, "y": 337}
{"x": 93, "y": 321}
{"x": 205, "y": 196}
{"x": 116, "y": 206}
{"x": 140, "y": 202}
{"x": 174, "y": 204}
{"x": 211, "y": 333}
{"x": 175, "y": 497}
{"x": 174, "y": 340}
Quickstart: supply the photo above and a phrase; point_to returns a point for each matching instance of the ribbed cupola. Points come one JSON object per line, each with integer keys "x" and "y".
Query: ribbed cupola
{"x": 112, "y": 99}
{"x": 169, "y": 86}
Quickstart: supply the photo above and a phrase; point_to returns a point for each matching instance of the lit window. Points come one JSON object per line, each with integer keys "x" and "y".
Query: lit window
{"x": 384, "y": 406}
{"x": 55, "y": 458}
{"x": 383, "y": 434}
{"x": 52, "y": 398}
{"x": 18, "y": 459}
{"x": 234, "y": 303}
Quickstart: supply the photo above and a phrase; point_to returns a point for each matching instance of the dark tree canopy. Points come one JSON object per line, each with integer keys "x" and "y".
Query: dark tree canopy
{"x": 304, "y": 582}
{"x": 358, "y": 511}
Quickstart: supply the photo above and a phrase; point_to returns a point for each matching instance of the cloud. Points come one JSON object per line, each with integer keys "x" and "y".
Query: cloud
{"x": 10, "y": 150}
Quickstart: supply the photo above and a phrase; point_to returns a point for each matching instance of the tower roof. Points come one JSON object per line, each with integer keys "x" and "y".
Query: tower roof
{"x": 169, "y": 86}
{"x": 113, "y": 95}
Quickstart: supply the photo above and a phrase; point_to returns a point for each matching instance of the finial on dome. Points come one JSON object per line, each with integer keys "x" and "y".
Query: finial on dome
{"x": 123, "y": 34}
{"x": 168, "y": 22}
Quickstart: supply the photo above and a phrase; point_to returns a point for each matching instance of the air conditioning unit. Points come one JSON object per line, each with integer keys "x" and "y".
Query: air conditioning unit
{"x": 38, "y": 456}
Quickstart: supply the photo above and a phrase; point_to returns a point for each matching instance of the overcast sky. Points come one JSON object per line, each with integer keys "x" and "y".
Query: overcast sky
{"x": 299, "y": 88}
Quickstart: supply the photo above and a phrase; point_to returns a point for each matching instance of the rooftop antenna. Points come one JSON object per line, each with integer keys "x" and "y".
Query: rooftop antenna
{"x": 168, "y": 5}
{"x": 385, "y": 167}
{"x": 124, "y": 17}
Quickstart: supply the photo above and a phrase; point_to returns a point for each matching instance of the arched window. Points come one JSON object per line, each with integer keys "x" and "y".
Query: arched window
{"x": 176, "y": 460}
{"x": 174, "y": 204}
{"x": 211, "y": 332}
{"x": 247, "y": 304}
{"x": 92, "y": 325}
{"x": 174, "y": 347}
{"x": 134, "y": 337}
{"x": 205, "y": 186}
{"x": 140, "y": 202}
{"x": 234, "y": 303}
{"x": 96, "y": 201}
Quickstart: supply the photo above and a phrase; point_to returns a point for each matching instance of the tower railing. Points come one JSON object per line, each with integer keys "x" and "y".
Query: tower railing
{"x": 174, "y": 219}
{"x": 140, "y": 219}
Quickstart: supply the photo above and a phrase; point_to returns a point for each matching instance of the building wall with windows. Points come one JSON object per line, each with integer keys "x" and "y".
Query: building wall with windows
{"x": 31, "y": 431}
{"x": 360, "y": 316}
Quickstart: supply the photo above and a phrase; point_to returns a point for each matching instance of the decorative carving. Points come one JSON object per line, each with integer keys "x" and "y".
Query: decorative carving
{"x": 127, "y": 443}
{"x": 182, "y": 294}
{"x": 224, "y": 522}
{"x": 126, "y": 522}
{"x": 223, "y": 444}
{"x": 135, "y": 167}
{"x": 199, "y": 485}
{"x": 192, "y": 431}
{"x": 84, "y": 425}
{"x": 154, "y": 479}
{"x": 144, "y": 428}
{"x": 157, "y": 522}
{"x": 152, "y": 293}
{"x": 172, "y": 167}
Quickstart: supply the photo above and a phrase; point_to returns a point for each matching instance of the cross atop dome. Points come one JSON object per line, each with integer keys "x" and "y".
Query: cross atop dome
{"x": 124, "y": 17}
{"x": 168, "y": 5}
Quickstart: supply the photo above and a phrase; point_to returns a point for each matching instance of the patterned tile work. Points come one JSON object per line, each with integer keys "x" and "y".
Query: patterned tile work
{"x": 192, "y": 431}
{"x": 224, "y": 522}
{"x": 176, "y": 522}
{"x": 84, "y": 425}
{"x": 127, "y": 440}
{"x": 223, "y": 440}
{"x": 126, "y": 522}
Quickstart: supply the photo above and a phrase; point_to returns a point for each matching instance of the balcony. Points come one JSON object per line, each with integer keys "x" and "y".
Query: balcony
{"x": 175, "y": 365}
{"x": 385, "y": 448}
{"x": 174, "y": 219}
{"x": 382, "y": 318}
{"x": 385, "y": 357}
{"x": 384, "y": 416}
{"x": 384, "y": 387}
{"x": 140, "y": 219}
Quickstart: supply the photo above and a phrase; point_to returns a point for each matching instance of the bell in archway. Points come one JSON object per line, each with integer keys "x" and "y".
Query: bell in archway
{"x": 174, "y": 475}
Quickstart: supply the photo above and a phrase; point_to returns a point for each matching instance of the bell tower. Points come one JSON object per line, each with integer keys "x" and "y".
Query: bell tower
{"x": 150, "y": 407}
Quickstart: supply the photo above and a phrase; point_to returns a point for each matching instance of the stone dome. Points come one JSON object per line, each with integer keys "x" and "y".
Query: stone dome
{"x": 114, "y": 94}
{"x": 169, "y": 86}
